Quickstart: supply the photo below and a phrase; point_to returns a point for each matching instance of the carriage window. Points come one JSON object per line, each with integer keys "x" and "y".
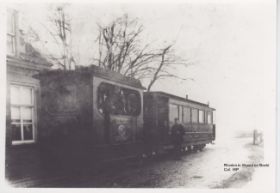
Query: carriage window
{"x": 186, "y": 115}
{"x": 209, "y": 118}
{"x": 118, "y": 100}
{"x": 180, "y": 114}
{"x": 201, "y": 116}
{"x": 173, "y": 112}
{"x": 194, "y": 115}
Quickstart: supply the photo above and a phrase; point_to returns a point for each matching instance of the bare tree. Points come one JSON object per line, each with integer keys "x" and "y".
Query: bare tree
{"x": 120, "y": 50}
{"x": 59, "y": 27}
{"x": 156, "y": 74}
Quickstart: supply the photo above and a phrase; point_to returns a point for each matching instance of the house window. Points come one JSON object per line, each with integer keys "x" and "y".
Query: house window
{"x": 201, "y": 116}
{"x": 186, "y": 115}
{"x": 22, "y": 114}
{"x": 194, "y": 115}
{"x": 11, "y": 32}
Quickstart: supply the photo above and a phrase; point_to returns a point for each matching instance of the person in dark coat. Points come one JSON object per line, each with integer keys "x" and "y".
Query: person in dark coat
{"x": 177, "y": 135}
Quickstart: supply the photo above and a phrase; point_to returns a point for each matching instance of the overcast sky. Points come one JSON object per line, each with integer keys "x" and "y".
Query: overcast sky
{"x": 231, "y": 45}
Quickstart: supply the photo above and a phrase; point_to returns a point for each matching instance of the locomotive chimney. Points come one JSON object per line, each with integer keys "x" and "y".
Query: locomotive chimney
{"x": 187, "y": 97}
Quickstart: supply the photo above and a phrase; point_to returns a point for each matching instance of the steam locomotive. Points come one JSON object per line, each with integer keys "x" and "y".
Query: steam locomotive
{"x": 94, "y": 114}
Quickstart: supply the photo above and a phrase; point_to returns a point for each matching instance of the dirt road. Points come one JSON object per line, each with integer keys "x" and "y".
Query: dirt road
{"x": 193, "y": 170}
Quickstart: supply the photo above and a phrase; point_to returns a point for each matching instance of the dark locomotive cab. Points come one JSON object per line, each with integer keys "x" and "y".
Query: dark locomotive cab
{"x": 90, "y": 113}
{"x": 160, "y": 111}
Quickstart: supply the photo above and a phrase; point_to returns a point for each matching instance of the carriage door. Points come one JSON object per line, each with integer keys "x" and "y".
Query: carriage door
{"x": 173, "y": 114}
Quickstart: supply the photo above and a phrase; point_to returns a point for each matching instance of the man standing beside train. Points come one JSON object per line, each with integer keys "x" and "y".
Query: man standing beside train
{"x": 177, "y": 132}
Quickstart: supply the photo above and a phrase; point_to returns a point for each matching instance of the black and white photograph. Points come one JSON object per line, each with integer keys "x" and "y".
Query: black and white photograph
{"x": 131, "y": 94}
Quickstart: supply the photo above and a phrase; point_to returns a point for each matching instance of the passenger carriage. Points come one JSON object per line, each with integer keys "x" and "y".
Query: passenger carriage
{"x": 160, "y": 111}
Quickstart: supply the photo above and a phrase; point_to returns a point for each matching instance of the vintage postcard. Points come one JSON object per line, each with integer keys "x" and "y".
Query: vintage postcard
{"x": 172, "y": 95}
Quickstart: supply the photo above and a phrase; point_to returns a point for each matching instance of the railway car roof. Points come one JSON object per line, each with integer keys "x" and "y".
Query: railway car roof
{"x": 180, "y": 98}
{"x": 95, "y": 71}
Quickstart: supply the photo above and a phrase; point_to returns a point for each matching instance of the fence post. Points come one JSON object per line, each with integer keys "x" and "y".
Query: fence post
{"x": 254, "y": 136}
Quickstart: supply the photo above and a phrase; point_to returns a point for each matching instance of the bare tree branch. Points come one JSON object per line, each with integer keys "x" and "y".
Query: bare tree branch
{"x": 120, "y": 50}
